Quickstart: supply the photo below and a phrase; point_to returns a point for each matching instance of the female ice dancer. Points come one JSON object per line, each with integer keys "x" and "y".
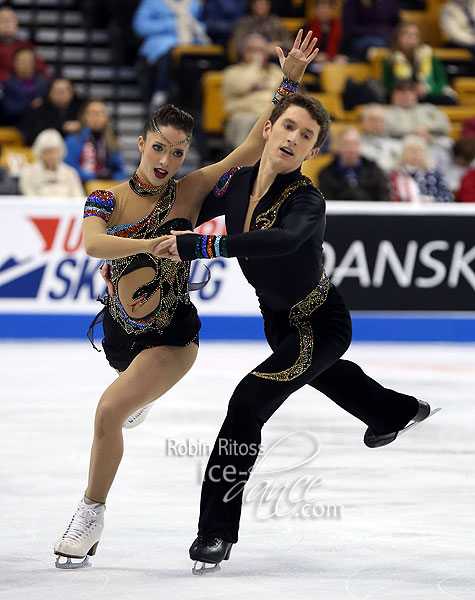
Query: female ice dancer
{"x": 150, "y": 326}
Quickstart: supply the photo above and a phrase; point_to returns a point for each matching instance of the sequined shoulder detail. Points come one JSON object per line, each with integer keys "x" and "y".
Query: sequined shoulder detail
{"x": 222, "y": 186}
{"x": 100, "y": 203}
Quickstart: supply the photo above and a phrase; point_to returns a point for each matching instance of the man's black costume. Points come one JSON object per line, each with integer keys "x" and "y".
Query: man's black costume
{"x": 306, "y": 324}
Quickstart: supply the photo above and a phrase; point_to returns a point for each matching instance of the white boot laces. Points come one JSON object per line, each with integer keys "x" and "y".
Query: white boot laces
{"x": 80, "y": 524}
{"x": 134, "y": 416}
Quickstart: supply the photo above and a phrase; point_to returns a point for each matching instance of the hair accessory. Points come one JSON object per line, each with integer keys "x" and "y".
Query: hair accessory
{"x": 171, "y": 144}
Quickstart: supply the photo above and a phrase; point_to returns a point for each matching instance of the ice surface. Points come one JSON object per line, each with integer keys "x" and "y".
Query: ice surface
{"x": 406, "y": 525}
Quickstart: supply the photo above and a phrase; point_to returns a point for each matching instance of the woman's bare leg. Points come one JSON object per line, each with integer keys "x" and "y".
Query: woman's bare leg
{"x": 152, "y": 373}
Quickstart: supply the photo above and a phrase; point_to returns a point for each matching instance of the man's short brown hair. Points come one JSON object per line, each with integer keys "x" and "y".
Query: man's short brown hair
{"x": 314, "y": 108}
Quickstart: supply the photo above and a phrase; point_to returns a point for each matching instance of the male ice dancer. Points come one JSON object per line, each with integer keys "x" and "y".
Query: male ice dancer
{"x": 275, "y": 219}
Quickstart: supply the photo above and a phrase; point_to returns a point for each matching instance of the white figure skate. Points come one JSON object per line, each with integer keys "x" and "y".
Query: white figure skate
{"x": 82, "y": 536}
{"x": 137, "y": 417}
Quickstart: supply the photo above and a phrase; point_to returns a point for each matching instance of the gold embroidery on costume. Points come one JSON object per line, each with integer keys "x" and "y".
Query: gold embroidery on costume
{"x": 299, "y": 313}
{"x": 267, "y": 218}
{"x": 170, "y": 278}
{"x": 298, "y": 317}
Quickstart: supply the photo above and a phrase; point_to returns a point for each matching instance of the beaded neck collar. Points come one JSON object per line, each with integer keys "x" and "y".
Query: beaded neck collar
{"x": 144, "y": 189}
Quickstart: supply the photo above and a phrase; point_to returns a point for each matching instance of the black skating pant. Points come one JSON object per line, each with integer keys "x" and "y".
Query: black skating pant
{"x": 256, "y": 399}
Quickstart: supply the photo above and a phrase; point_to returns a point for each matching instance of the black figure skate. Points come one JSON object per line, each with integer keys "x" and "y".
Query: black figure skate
{"x": 209, "y": 551}
{"x": 375, "y": 440}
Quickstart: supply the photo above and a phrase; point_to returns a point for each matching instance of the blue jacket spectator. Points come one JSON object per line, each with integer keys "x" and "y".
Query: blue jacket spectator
{"x": 219, "y": 17}
{"x": 25, "y": 88}
{"x": 164, "y": 27}
{"x": 93, "y": 151}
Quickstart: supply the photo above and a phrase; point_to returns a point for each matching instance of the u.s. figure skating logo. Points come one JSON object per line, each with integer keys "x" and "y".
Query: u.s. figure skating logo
{"x": 43, "y": 261}
{"x": 44, "y": 268}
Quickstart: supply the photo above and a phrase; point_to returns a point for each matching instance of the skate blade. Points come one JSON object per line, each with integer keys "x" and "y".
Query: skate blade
{"x": 136, "y": 421}
{"x": 414, "y": 423}
{"x": 204, "y": 569}
{"x": 69, "y": 564}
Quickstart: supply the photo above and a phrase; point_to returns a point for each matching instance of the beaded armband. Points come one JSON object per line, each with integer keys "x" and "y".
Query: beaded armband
{"x": 286, "y": 88}
{"x": 211, "y": 246}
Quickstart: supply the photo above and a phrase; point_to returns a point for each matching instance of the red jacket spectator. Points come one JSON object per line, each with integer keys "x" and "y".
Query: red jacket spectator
{"x": 467, "y": 187}
{"x": 329, "y": 33}
{"x": 10, "y": 43}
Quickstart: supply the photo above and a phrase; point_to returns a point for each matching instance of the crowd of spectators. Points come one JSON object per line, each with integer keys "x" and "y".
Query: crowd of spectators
{"x": 71, "y": 139}
{"x": 401, "y": 150}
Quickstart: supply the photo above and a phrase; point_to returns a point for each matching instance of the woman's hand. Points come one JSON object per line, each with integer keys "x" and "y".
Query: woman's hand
{"x": 302, "y": 54}
{"x": 167, "y": 246}
{"x": 105, "y": 271}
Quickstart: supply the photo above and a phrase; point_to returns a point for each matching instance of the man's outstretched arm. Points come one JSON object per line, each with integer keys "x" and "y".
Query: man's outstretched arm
{"x": 305, "y": 216}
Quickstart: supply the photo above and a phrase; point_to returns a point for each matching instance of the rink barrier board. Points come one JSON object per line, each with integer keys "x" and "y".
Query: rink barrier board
{"x": 366, "y": 327}
{"x": 407, "y": 273}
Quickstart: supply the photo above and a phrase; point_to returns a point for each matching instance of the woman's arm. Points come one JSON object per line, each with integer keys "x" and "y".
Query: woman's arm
{"x": 197, "y": 185}
{"x": 100, "y": 245}
{"x": 97, "y": 211}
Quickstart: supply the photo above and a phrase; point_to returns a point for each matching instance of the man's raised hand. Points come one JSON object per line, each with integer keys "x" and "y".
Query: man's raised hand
{"x": 302, "y": 54}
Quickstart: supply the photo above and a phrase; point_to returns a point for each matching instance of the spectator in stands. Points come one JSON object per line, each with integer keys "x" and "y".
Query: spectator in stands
{"x": 327, "y": 28}
{"x": 48, "y": 175}
{"x": 457, "y": 21}
{"x": 376, "y": 144}
{"x": 414, "y": 165}
{"x": 461, "y": 159}
{"x": 247, "y": 87}
{"x": 165, "y": 24}
{"x": 60, "y": 110}
{"x": 8, "y": 185}
{"x": 410, "y": 59}
{"x": 261, "y": 20}
{"x": 93, "y": 151}
{"x": 406, "y": 115}
{"x": 10, "y": 42}
{"x": 467, "y": 187}
{"x": 219, "y": 17}
{"x": 368, "y": 23}
{"x": 25, "y": 88}
{"x": 351, "y": 176}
